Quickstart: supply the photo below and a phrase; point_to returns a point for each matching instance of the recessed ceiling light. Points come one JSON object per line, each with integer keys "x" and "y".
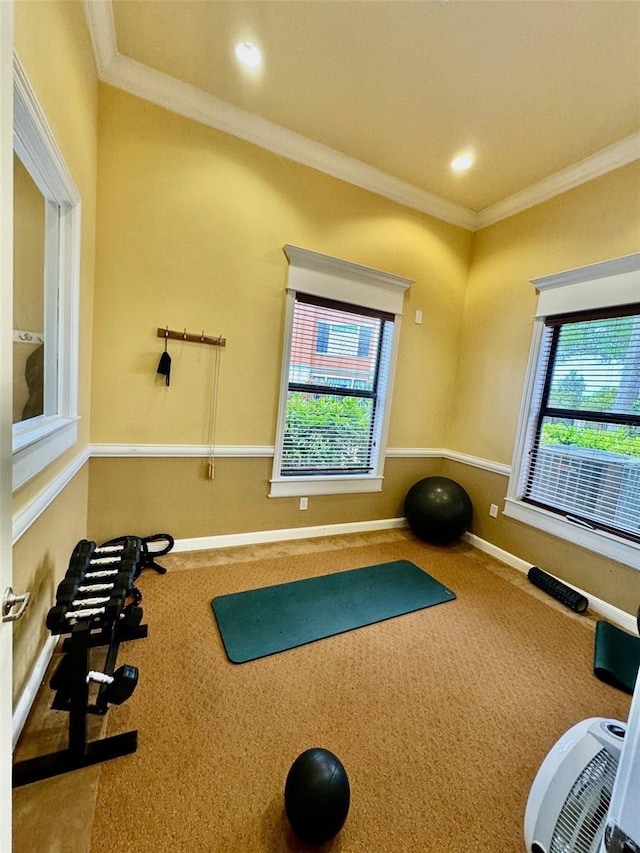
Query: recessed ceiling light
{"x": 248, "y": 54}
{"x": 462, "y": 163}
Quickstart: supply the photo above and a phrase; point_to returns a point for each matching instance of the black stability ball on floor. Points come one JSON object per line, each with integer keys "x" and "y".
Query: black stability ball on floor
{"x": 317, "y": 795}
{"x": 438, "y": 509}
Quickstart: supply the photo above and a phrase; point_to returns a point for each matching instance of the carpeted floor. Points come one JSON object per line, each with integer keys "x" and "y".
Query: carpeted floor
{"x": 441, "y": 717}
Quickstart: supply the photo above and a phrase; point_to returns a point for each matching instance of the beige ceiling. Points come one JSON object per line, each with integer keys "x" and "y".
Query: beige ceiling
{"x": 531, "y": 87}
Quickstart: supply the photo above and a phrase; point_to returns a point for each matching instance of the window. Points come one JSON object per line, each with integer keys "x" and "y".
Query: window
{"x": 577, "y": 467}
{"x": 343, "y": 339}
{"x": 330, "y": 426}
{"x": 338, "y": 364}
{"x": 45, "y": 286}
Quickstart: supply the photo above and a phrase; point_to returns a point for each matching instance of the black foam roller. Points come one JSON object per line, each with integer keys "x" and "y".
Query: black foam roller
{"x": 565, "y": 595}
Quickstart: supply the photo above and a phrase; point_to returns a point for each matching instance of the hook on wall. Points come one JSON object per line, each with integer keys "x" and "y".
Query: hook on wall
{"x": 165, "y": 333}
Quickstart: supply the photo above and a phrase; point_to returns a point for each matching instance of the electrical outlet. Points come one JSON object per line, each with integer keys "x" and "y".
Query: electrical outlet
{"x": 493, "y": 510}
{"x": 304, "y": 503}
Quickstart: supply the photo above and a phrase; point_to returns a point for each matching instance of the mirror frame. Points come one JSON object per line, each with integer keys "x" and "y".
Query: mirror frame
{"x": 40, "y": 440}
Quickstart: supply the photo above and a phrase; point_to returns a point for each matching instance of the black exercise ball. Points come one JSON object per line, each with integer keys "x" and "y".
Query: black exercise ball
{"x": 317, "y": 795}
{"x": 438, "y": 509}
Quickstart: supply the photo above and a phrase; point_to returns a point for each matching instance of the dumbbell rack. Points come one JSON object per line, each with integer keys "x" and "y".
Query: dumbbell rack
{"x": 72, "y": 695}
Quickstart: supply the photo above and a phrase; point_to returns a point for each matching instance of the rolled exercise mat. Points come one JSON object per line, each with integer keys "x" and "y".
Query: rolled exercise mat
{"x": 567, "y": 596}
{"x": 616, "y": 657}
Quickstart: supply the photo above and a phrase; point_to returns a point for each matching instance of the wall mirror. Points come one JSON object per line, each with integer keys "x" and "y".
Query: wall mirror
{"x": 46, "y": 248}
{"x": 29, "y": 211}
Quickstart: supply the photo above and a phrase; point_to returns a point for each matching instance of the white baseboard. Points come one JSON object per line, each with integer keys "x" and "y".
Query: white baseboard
{"x": 618, "y": 617}
{"x": 258, "y": 537}
{"x": 31, "y": 689}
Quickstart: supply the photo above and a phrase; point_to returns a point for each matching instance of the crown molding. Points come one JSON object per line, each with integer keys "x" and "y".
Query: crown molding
{"x": 620, "y": 154}
{"x": 186, "y": 100}
{"x": 102, "y": 30}
{"x": 193, "y": 103}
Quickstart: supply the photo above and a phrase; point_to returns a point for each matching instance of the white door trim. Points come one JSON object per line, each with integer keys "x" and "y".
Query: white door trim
{"x": 6, "y": 356}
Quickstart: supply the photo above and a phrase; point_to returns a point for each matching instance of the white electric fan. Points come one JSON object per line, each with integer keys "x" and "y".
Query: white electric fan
{"x": 586, "y": 795}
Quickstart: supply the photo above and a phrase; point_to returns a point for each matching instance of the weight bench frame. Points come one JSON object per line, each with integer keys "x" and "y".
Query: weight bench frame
{"x": 81, "y": 752}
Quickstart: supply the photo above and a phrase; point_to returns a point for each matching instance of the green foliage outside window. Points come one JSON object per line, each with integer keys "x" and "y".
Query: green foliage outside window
{"x": 624, "y": 440}
{"x": 327, "y": 431}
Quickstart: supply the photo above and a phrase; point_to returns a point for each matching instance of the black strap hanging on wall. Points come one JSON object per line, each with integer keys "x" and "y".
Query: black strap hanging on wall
{"x": 164, "y": 365}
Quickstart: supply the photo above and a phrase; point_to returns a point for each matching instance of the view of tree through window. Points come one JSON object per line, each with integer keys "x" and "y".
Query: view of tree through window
{"x": 339, "y": 356}
{"x": 585, "y": 458}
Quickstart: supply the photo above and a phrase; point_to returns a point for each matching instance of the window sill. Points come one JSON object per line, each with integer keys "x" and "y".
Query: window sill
{"x": 37, "y": 447}
{"x": 598, "y": 541}
{"x": 294, "y": 487}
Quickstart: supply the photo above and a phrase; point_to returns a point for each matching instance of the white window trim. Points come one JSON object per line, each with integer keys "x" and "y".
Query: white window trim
{"x": 37, "y": 442}
{"x": 332, "y": 278}
{"x": 609, "y": 283}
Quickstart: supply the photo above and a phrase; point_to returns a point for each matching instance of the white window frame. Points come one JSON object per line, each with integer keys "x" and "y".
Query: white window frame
{"x": 602, "y": 285}
{"x": 342, "y": 281}
{"x": 40, "y": 440}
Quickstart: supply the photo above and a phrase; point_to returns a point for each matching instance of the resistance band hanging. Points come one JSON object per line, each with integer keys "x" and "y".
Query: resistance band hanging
{"x": 213, "y": 413}
{"x": 164, "y": 368}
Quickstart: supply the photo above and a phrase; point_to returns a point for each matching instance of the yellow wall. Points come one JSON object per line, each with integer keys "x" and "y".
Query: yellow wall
{"x": 191, "y": 225}
{"x": 594, "y": 222}
{"x": 40, "y": 558}
{"x": 53, "y": 45}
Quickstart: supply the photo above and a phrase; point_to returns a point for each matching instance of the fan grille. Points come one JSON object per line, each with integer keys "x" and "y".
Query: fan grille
{"x": 581, "y": 821}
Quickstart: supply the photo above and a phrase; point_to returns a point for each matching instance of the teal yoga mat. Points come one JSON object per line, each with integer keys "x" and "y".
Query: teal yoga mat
{"x": 616, "y": 657}
{"x": 271, "y": 619}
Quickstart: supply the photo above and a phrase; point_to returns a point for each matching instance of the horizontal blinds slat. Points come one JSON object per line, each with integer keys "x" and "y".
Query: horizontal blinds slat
{"x": 333, "y": 348}
{"x": 340, "y": 305}
{"x": 597, "y": 366}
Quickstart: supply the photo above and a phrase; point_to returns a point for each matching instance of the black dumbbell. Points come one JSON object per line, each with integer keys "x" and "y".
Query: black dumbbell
{"x": 117, "y": 688}
{"x": 102, "y": 564}
{"x": 81, "y": 554}
{"x": 70, "y": 589}
{"x": 102, "y": 567}
{"x": 127, "y": 549}
{"x": 60, "y": 618}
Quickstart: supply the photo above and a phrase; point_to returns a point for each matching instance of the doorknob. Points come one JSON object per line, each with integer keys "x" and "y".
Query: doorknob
{"x": 10, "y": 600}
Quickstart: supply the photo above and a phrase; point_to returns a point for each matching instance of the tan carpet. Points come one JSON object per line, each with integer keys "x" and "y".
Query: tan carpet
{"x": 441, "y": 717}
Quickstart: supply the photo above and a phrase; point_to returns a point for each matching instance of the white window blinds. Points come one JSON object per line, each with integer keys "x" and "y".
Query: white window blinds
{"x": 584, "y": 452}
{"x": 338, "y": 370}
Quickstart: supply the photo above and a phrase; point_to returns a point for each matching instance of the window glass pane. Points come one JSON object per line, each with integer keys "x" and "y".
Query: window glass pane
{"x": 590, "y": 471}
{"x": 334, "y": 348}
{"x": 338, "y": 371}
{"x": 585, "y": 455}
{"x": 326, "y": 432}
{"x": 597, "y": 366}
{"x": 28, "y": 296}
